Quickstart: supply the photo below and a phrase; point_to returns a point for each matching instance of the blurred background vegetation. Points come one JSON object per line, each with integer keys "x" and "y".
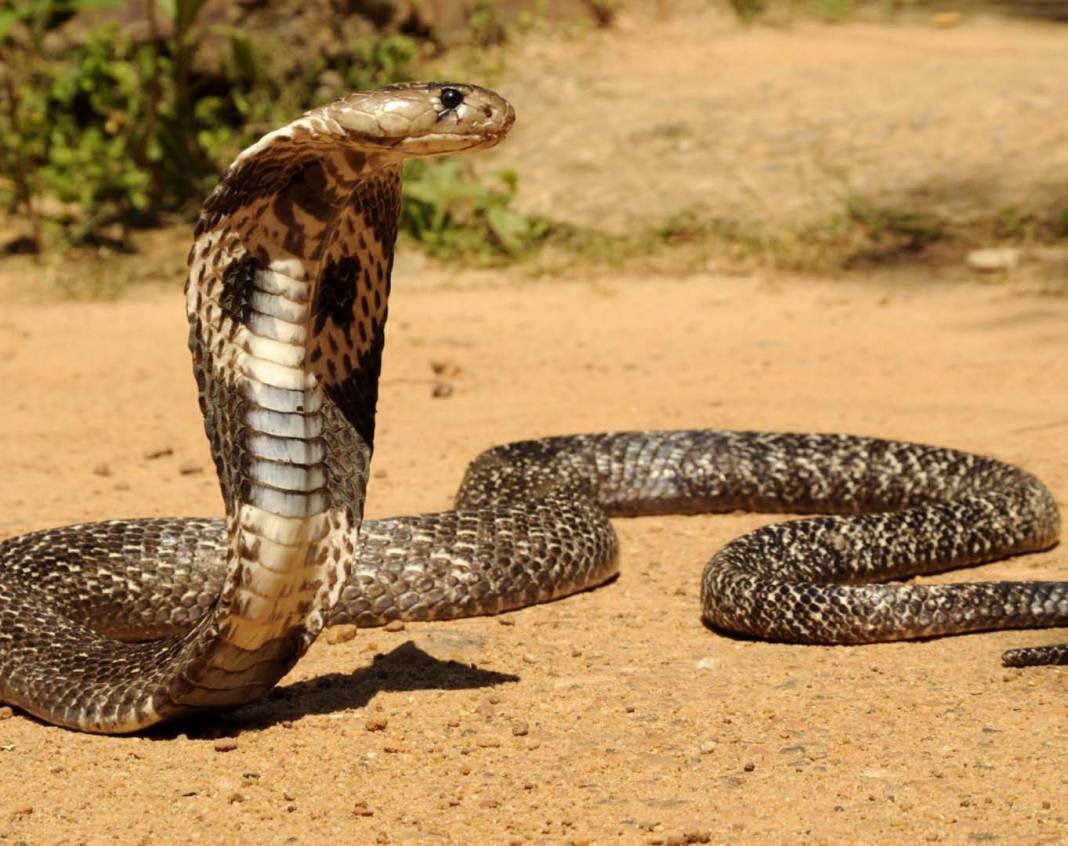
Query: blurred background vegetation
{"x": 119, "y": 115}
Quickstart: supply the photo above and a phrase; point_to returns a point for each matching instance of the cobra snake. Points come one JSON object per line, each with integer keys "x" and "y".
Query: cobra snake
{"x": 115, "y": 626}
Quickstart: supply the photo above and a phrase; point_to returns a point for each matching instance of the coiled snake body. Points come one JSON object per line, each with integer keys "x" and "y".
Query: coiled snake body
{"x": 115, "y": 626}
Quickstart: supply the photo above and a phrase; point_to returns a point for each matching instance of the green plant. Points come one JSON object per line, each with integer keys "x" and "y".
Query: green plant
{"x": 906, "y": 231}
{"x": 534, "y": 18}
{"x": 123, "y": 131}
{"x": 120, "y": 130}
{"x": 25, "y": 121}
{"x": 454, "y": 215}
{"x": 484, "y": 24}
{"x": 102, "y": 149}
{"x": 106, "y": 125}
{"x": 831, "y": 11}
{"x": 378, "y": 60}
{"x": 784, "y": 11}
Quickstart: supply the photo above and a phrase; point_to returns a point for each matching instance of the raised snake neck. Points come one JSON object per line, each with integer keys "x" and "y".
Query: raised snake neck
{"x": 287, "y": 297}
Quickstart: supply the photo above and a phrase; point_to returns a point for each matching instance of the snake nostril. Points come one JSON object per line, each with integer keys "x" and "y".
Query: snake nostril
{"x": 487, "y": 110}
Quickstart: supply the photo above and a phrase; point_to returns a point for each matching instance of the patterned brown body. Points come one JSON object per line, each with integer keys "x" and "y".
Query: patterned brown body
{"x": 115, "y": 626}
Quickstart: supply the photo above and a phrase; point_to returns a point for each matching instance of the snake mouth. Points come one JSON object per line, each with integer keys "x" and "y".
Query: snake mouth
{"x": 437, "y": 143}
{"x": 441, "y": 141}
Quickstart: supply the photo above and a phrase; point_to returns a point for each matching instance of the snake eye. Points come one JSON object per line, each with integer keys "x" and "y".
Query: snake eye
{"x": 451, "y": 97}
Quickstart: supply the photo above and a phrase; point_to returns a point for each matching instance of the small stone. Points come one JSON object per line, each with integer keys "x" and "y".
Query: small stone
{"x": 190, "y": 468}
{"x": 235, "y": 798}
{"x": 706, "y": 663}
{"x": 454, "y": 723}
{"x": 445, "y": 368}
{"x": 159, "y": 452}
{"x": 488, "y": 803}
{"x": 505, "y": 621}
{"x": 289, "y": 795}
{"x": 394, "y": 626}
{"x": 529, "y": 659}
{"x": 21, "y": 811}
{"x": 6, "y": 713}
{"x": 376, "y": 724}
{"x": 675, "y": 840}
{"x": 340, "y": 634}
{"x": 749, "y": 767}
{"x": 707, "y": 747}
{"x": 488, "y": 743}
{"x": 360, "y": 809}
{"x": 520, "y": 729}
{"x": 697, "y": 835}
{"x": 993, "y": 259}
{"x": 225, "y": 744}
{"x": 441, "y": 390}
{"x": 102, "y": 470}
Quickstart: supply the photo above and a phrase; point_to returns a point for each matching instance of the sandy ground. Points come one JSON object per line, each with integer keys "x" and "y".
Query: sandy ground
{"x": 614, "y": 716}
{"x": 689, "y": 112}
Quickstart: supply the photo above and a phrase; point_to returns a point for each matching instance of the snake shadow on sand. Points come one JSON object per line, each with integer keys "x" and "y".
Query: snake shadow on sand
{"x": 405, "y": 668}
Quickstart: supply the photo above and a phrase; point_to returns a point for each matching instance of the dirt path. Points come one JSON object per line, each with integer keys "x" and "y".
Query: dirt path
{"x": 692, "y": 112}
{"x": 614, "y": 716}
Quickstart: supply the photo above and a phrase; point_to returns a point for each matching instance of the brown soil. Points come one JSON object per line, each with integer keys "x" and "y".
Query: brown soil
{"x": 693, "y": 113}
{"x": 610, "y": 717}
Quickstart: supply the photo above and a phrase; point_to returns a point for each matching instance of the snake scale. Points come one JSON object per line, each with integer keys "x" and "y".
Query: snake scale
{"x": 118, "y": 625}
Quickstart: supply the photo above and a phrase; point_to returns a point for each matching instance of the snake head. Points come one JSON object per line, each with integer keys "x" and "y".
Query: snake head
{"x": 425, "y": 118}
